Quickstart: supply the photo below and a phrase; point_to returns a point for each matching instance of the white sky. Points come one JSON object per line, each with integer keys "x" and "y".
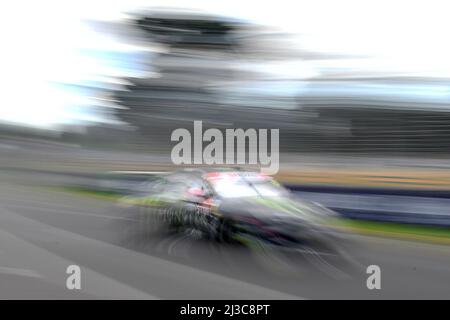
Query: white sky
{"x": 41, "y": 39}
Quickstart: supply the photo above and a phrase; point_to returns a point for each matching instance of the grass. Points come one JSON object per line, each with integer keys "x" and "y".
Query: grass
{"x": 107, "y": 195}
{"x": 395, "y": 230}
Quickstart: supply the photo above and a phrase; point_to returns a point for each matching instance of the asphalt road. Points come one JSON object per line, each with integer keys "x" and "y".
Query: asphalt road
{"x": 44, "y": 230}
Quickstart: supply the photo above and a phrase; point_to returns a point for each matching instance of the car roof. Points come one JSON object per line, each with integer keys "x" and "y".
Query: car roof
{"x": 202, "y": 173}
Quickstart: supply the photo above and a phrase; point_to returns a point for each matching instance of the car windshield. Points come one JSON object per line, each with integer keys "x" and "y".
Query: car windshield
{"x": 240, "y": 185}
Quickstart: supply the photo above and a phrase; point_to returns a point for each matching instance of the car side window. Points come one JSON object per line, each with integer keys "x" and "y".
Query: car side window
{"x": 195, "y": 189}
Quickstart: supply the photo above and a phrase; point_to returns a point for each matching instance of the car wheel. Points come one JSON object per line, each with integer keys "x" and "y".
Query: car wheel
{"x": 225, "y": 231}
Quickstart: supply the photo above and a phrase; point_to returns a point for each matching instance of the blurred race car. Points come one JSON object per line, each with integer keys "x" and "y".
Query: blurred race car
{"x": 232, "y": 206}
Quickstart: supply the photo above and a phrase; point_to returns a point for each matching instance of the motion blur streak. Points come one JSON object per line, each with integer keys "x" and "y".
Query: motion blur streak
{"x": 92, "y": 91}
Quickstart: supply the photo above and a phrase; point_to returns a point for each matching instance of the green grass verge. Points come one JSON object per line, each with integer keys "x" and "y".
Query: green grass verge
{"x": 107, "y": 195}
{"x": 395, "y": 230}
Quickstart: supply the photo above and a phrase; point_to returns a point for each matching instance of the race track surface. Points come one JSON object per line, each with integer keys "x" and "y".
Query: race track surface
{"x": 43, "y": 230}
